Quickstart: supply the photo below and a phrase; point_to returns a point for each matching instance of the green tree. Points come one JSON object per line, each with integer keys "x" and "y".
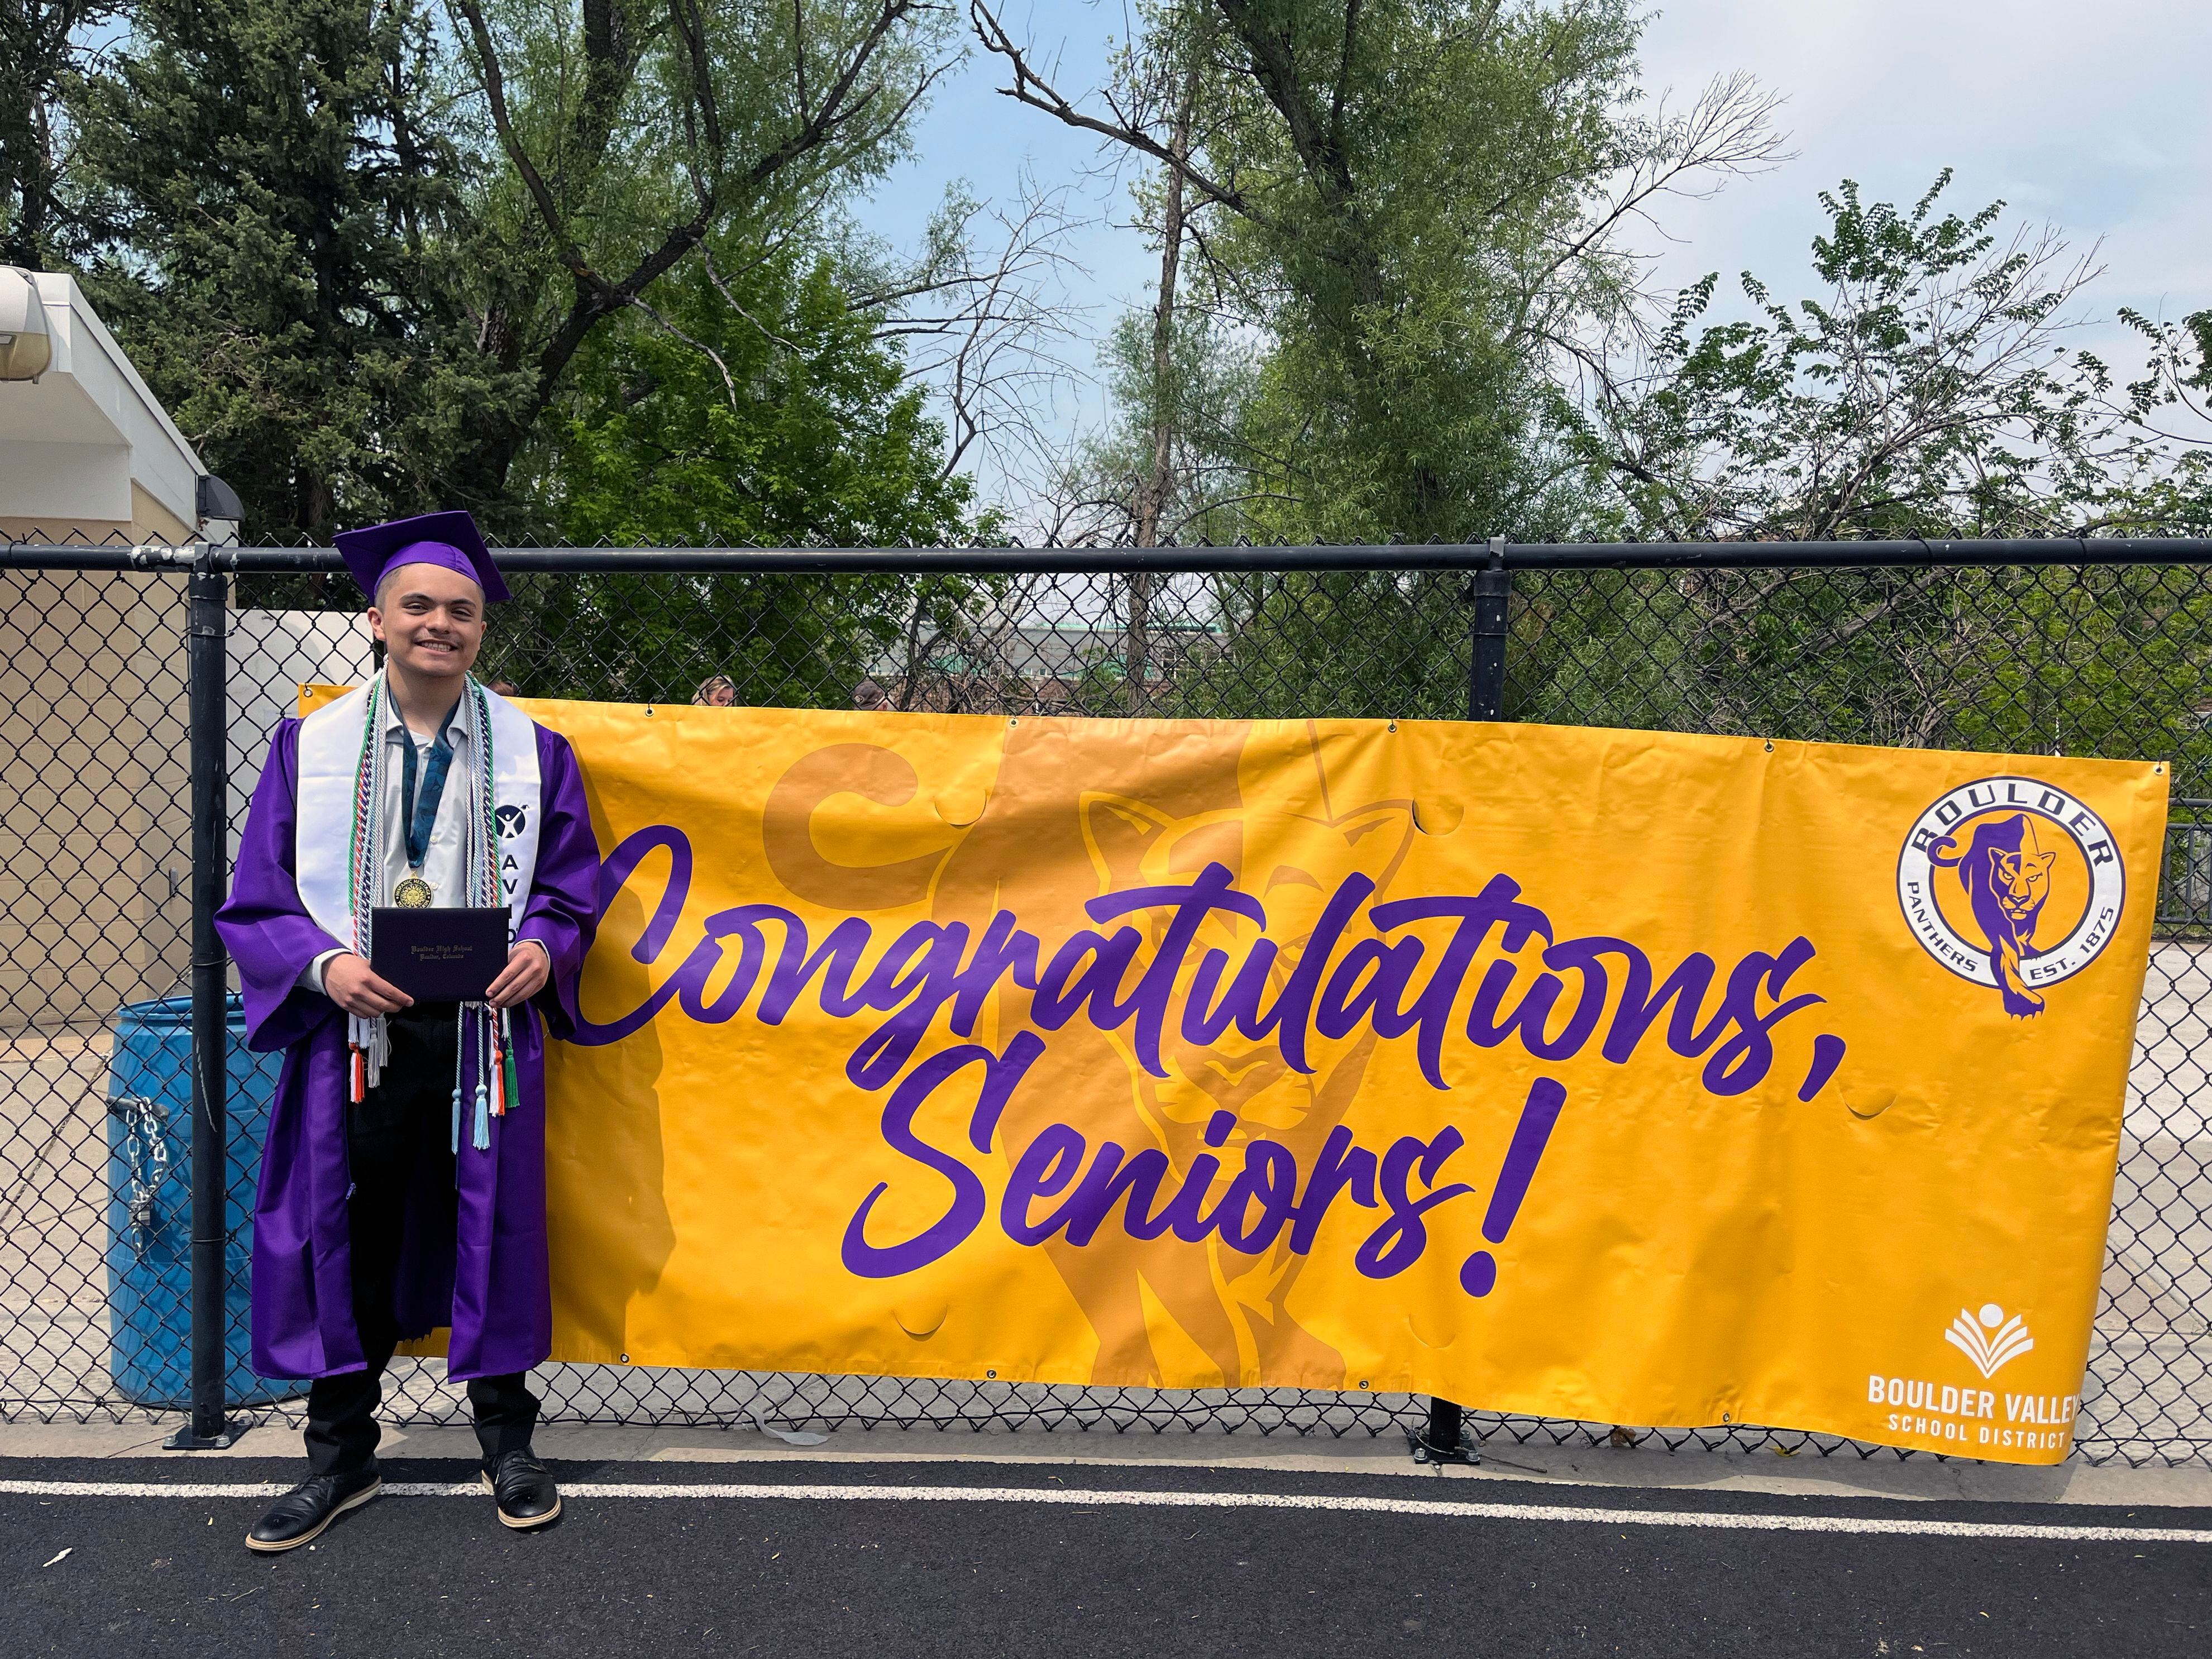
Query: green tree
{"x": 1412, "y": 208}
{"x": 758, "y": 409}
{"x": 636, "y": 133}
{"x": 286, "y": 250}
{"x": 751, "y": 406}
{"x": 2169, "y": 406}
{"x": 1925, "y": 390}
{"x": 361, "y": 271}
{"x": 1400, "y": 215}
{"x": 42, "y": 47}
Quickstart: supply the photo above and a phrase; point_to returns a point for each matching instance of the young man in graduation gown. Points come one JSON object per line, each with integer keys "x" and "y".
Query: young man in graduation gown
{"x": 403, "y": 1183}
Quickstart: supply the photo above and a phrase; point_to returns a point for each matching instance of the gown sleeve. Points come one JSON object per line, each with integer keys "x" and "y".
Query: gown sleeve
{"x": 563, "y": 909}
{"x": 264, "y": 925}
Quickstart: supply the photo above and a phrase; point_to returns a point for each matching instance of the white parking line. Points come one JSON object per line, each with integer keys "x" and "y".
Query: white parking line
{"x": 1712, "y": 1520}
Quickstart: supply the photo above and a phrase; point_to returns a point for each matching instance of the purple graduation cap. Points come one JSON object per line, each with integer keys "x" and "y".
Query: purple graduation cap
{"x": 449, "y": 539}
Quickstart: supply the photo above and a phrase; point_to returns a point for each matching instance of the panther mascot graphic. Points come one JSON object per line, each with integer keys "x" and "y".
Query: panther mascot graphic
{"x": 2006, "y": 875}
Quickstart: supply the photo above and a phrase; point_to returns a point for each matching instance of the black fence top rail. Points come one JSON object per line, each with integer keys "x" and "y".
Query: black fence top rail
{"x": 1461, "y": 555}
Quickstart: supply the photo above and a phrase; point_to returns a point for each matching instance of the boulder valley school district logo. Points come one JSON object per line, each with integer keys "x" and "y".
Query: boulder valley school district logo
{"x": 2014, "y": 883}
{"x": 1989, "y": 1339}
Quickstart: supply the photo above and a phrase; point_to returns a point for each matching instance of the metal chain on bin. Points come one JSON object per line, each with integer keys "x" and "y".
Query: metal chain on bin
{"x": 146, "y": 1157}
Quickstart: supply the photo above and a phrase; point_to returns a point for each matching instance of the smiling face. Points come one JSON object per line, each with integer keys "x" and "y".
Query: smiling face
{"x": 430, "y": 619}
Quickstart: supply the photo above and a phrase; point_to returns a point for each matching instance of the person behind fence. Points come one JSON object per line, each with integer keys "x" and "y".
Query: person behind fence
{"x": 402, "y": 1185}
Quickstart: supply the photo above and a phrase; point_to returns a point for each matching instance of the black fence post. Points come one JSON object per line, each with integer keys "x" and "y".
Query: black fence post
{"x": 1440, "y": 1441}
{"x": 208, "y": 715}
{"x": 1493, "y": 592}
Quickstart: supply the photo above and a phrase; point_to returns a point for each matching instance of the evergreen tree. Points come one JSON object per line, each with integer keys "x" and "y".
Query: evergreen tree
{"x": 286, "y": 251}
{"x": 43, "y": 44}
{"x": 361, "y": 269}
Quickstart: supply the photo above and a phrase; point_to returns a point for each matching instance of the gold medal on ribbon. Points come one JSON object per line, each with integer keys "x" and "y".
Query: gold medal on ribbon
{"x": 413, "y": 894}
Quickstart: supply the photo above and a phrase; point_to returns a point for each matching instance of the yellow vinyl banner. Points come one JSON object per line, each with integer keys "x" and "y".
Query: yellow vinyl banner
{"x": 1609, "y": 1075}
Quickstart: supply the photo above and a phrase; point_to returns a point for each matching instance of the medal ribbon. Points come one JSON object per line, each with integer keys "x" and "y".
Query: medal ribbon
{"x": 421, "y": 817}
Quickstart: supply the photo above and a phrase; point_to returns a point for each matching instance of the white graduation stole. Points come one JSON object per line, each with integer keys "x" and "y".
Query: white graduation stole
{"x": 330, "y": 777}
{"x": 329, "y": 750}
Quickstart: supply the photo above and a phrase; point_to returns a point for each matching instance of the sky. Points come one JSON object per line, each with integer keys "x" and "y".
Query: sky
{"x": 2089, "y": 117}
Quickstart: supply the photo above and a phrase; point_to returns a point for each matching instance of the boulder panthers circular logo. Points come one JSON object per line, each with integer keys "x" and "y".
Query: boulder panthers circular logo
{"x": 2014, "y": 883}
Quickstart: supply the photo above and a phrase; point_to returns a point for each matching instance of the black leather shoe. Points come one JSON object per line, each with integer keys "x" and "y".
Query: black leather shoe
{"x": 522, "y": 1488}
{"x": 300, "y": 1515}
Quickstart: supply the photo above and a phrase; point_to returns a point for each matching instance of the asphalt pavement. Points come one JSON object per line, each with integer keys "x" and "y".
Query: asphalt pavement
{"x": 979, "y": 1559}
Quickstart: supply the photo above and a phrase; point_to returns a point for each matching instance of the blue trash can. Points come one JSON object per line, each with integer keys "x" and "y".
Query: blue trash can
{"x": 149, "y": 1205}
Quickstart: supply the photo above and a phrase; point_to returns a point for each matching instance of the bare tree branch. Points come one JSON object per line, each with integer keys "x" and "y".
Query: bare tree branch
{"x": 1031, "y": 88}
{"x": 729, "y": 386}
{"x": 989, "y": 333}
{"x": 834, "y": 123}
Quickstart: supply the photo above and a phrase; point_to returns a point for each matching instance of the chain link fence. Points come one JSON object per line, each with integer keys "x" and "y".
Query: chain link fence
{"x": 2091, "y": 658}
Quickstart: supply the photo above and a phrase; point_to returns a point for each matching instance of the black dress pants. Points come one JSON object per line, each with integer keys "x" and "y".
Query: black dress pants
{"x": 400, "y": 1141}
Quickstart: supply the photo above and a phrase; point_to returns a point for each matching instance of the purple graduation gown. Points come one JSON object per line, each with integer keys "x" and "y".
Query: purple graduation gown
{"x": 485, "y": 1276}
